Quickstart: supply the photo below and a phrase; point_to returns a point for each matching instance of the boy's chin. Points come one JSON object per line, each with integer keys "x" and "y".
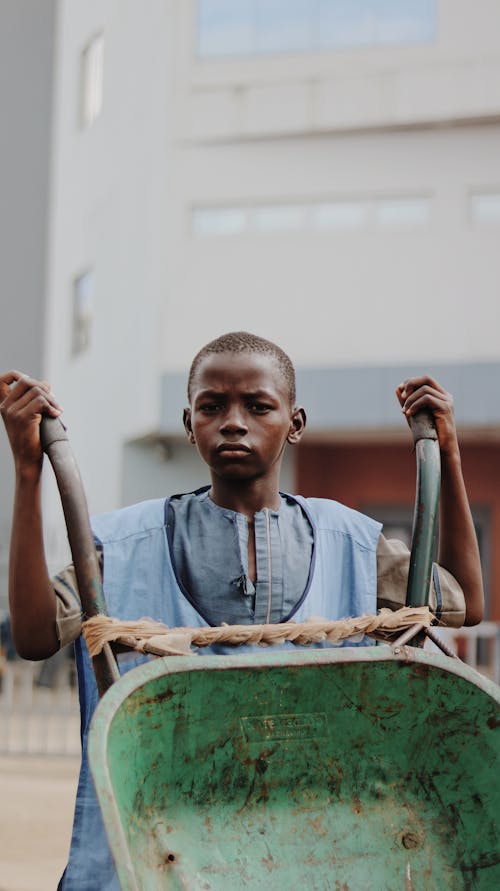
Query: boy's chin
{"x": 234, "y": 473}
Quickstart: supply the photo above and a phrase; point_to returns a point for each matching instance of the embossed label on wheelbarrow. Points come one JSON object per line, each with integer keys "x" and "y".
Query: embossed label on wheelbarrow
{"x": 293, "y": 726}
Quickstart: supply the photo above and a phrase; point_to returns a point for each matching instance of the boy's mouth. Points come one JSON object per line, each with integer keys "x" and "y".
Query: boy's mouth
{"x": 232, "y": 447}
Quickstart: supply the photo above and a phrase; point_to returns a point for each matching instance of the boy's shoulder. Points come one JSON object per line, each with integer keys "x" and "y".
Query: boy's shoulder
{"x": 329, "y": 515}
{"x": 137, "y": 519}
{"x": 131, "y": 520}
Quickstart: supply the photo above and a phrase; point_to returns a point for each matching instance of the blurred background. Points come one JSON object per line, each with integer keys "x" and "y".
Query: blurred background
{"x": 324, "y": 173}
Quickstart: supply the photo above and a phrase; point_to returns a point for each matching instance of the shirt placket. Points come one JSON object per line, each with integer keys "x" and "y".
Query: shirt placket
{"x": 268, "y": 558}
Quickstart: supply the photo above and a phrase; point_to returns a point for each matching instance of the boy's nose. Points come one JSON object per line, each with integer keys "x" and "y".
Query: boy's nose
{"x": 233, "y": 422}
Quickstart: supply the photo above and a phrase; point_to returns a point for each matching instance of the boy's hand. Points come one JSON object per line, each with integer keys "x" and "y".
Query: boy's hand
{"x": 424, "y": 392}
{"x": 23, "y": 401}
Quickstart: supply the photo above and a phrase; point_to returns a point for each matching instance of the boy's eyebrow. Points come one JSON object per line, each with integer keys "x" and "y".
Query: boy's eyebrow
{"x": 209, "y": 392}
{"x": 260, "y": 393}
{"x": 249, "y": 394}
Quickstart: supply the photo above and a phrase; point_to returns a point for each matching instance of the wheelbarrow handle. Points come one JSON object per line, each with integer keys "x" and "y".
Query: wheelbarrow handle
{"x": 423, "y": 426}
{"x": 425, "y": 517}
{"x": 55, "y": 443}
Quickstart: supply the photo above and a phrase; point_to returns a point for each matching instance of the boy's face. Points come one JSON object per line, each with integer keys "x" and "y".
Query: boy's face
{"x": 240, "y": 417}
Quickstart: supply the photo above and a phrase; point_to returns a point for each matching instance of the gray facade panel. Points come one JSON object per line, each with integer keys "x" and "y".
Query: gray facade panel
{"x": 339, "y": 399}
{"x": 26, "y": 81}
{"x": 357, "y": 398}
{"x": 173, "y": 403}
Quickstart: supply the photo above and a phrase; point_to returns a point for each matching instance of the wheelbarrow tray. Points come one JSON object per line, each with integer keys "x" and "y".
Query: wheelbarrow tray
{"x": 348, "y": 768}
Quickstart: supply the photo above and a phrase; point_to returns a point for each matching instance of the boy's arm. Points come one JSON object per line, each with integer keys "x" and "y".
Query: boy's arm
{"x": 458, "y": 547}
{"x": 31, "y": 595}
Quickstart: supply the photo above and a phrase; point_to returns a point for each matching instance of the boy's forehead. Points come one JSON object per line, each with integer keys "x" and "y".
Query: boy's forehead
{"x": 243, "y": 368}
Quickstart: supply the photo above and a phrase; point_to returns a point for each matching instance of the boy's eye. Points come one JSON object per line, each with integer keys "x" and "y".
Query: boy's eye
{"x": 259, "y": 407}
{"x": 209, "y": 408}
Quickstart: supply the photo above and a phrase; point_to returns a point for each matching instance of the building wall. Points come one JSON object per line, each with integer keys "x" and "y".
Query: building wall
{"x": 26, "y": 91}
{"x": 169, "y": 142}
{"x": 375, "y": 294}
{"x": 109, "y": 216}
{"x": 451, "y": 77}
{"x": 363, "y": 125}
{"x": 179, "y": 134}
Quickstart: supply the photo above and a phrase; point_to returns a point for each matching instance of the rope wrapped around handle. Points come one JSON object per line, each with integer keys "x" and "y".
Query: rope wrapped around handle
{"x": 146, "y": 636}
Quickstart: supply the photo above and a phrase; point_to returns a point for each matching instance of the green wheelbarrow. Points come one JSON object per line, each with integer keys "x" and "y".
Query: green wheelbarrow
{"x": 352, "y": 768}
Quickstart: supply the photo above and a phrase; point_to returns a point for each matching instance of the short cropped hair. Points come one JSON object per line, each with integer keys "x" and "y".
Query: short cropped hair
{"x": 243, "y": 342}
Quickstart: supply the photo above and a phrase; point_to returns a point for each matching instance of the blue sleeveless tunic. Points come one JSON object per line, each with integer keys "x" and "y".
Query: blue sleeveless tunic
{"x": 140, "y": 581}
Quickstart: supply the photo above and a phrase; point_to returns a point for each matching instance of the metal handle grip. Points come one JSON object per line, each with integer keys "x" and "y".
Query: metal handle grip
{"x": 425, "y": 517}
{"x": 55, "y": 444}
{"x": 423, "y": 426}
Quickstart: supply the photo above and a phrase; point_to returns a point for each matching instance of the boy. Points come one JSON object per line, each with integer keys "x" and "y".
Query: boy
{"x": 237, "y": 551}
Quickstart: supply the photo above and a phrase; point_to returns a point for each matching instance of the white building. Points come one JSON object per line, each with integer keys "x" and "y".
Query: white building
{"x": 176, "y": 169}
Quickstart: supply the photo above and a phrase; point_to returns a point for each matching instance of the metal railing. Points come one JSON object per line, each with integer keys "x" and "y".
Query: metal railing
{"x": 478, "y": 646}
{"x": 39, "y": 712}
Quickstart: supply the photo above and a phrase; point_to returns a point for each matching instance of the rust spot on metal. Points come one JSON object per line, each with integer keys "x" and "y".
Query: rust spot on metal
{"x": 317, "y": 825}
{"x": 269, "y": 862}
{"x": 411, "y": 839}
{"x": 264, "y": 795}
{"x": 163, "y": 696}
{"x": 356, "y": 804}
{"x": 418, "y": 671}
{"x": 493, "y": 723}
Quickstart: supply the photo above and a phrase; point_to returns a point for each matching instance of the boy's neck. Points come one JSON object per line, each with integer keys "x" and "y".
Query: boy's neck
{"x": 245, "y": 498}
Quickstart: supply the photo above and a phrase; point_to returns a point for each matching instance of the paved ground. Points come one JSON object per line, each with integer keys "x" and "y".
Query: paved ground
{"x": 36, "y": 812}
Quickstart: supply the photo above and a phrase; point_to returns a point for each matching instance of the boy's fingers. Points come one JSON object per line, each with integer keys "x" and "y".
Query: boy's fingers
{"x": 427, "y": 400}
{"x": 18, "y": 391}
{"x": 6, "y": 379}
{"x": 401, "y": 393}
{"x": 414, "y": 383}
{"x": 10, "y": 376}
{"x": 424, "y": 392}
{"x": 34, "y": 402}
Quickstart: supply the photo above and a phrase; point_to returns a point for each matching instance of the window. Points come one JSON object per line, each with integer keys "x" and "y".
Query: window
{"x": 332, "y": 216}
{"x": 83, "y": 294}
{"x": 402, "y": 212}
{"x": 218, "y": 220}
{"x": 341, "y": 215}
{"x": 245, "y": 27}
{"x": 485, "y": 207}
{"x": 279, "y": 218}
{"x": 92, "y": 80}
{"x": 351, "y": 23}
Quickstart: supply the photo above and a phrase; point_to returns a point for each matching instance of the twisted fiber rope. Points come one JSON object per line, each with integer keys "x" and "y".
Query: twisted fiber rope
{"x": 146, "y": 636}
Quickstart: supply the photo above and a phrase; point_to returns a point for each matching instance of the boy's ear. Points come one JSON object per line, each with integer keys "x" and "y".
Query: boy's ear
{"x": 297, "y": 425}
{"x": 186, "y": 418}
